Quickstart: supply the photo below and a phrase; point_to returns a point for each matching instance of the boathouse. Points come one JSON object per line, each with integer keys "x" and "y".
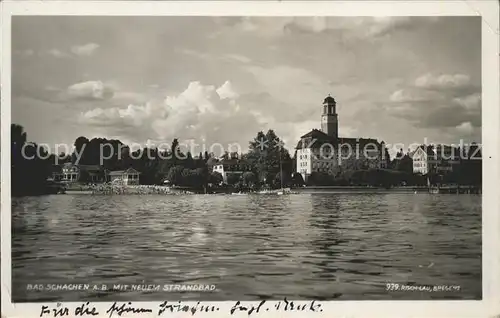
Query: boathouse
{"x": 71, "y": 173}
{"x": 125, "y": 177}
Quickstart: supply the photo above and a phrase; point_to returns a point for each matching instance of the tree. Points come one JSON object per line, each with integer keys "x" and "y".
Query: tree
{"x": 189, "y": 163}
{"x": 176, "y": 152}
{"x": 319, "y": 179}
{"x": 175, "y": 175}
{"x": 234, "y": 155}
{"x": 249, "y": 179}
{"x": 297, "y": 179}
{"x": 200, "y": 162}
{"x": 80, "y": 145}
{"x": 30, "y": 165}
{"x": 232, "y": 178}
{"x": 267, "y": 154}
{"x": 215, "y": 177}
{"x": 17, "y": 135}
{"x": 282, "y": 179}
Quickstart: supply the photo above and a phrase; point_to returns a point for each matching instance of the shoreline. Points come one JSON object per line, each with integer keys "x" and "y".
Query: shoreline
{"x": 165, "y": 190}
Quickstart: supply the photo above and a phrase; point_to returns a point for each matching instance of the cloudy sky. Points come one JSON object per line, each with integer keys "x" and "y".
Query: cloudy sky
{"x": 214, "y": 79}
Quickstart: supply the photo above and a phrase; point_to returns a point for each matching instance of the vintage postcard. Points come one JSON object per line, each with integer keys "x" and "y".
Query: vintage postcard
{"x": 329, "y": 159}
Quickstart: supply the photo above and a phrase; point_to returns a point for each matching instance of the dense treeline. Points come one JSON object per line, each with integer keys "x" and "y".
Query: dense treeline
{"x": 29, "y": 176}
{"x": 28, "y": 170}
{"x": 270, "y": 165}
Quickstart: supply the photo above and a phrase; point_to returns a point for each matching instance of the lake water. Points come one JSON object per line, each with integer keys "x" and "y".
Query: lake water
{"x": 305, "y": 246}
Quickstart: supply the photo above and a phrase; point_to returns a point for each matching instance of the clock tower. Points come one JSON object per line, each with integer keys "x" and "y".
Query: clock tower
{"x": 329, "y": 118}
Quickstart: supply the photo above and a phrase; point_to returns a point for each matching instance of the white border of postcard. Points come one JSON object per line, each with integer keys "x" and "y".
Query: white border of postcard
{"x": 489, "y": 306}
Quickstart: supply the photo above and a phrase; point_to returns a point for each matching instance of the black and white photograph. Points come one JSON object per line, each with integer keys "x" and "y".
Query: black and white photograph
{"x": 241, "y": 157}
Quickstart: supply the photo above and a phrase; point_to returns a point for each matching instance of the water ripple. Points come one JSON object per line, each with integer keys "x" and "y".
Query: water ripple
{"x": 308, "y": 246}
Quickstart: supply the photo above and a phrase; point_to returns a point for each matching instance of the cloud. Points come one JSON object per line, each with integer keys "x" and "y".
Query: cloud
{"x": 126, "y": 96}
{"x": 410, "y": 95}
{"x": 465, "y": 128}
{"x": 439, "y": 101}
{"x": 227, "y": 91}
{"x": 77, "y": 50}
{"x": 90, "y": 90}
{"x": 470, "y": 102}
{"x": 238, "y": 58}
{"x": 381, "y": 26}
{"x": 196, "y": 113}
{"x": 297, "y": 79}
{"x": 444, "y": 81}
{"x": 84, "y": 50}
{"x": 350, "y": 27}
{"x": 57, "y": 53}
{"x": 203, "y": 113}
{"x": 25, "y": 53}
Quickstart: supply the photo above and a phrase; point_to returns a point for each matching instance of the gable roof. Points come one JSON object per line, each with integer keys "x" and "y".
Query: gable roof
{"x": 428, "y": 150}
{"x": 122, "y": 172}
{"x": 90, "y": 167}
{"x": 83, "y": 167}
{"x": 316, "y": 138}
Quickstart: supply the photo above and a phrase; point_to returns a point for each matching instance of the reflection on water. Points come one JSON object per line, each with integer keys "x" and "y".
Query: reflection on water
{"x": 307, "y": 246}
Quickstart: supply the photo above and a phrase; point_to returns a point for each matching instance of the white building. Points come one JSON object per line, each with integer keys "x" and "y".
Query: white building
{"x": 125, "y": 177}
{"x": 231, "y": 167}
{"x": 324, "y": 151}
{"x": 437, "y": 159}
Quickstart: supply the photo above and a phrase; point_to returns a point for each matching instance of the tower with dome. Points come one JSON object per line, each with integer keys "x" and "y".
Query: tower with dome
{"x": 325, "y": 152}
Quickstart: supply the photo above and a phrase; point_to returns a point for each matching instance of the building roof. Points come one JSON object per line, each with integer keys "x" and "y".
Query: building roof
{"x": 231, "y": 162}
{"x": 426, "y": 148}
{"x": 83, "y": 167}
{"x": 439, "y": 151}
{"x": 316, "y": 138}
{"x": 122, "y": 172}
{"x": 90, "y": 167}
{"x": 329, "y": 100}
{"x": 212, "y": 161}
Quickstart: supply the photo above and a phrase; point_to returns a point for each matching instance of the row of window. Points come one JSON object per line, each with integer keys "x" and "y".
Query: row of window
{"x": 131, "y": 176}
{"x": 418, "y": 164}
{"x": 322, "y": 170}
{"x": 321, "y": 165}
{"x": 233, "y": 167}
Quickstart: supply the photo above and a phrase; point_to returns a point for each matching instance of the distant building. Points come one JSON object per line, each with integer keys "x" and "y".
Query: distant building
{"x": 324, "y": 151}
{"x": 231, "y": 167}
{"x": 71, "y": 173}
{"x": 435, "y": 159}
{"x": 125, "y": 177}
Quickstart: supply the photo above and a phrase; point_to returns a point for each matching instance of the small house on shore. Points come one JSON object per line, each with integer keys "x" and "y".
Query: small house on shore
{"x": 231, "y": 167}
{"x": 125, "y": 177}
{"x": 71, "y": 173}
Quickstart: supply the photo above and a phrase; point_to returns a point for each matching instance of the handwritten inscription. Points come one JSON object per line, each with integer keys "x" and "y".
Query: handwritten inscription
{"x": 167, "y": 307}
{"x": 85, "y": 309}
{"x": 126, "y": 308}
{"x": 179, "y": 307}
{"x": 285, "y": 305}
{"x": 59, "y": 311}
